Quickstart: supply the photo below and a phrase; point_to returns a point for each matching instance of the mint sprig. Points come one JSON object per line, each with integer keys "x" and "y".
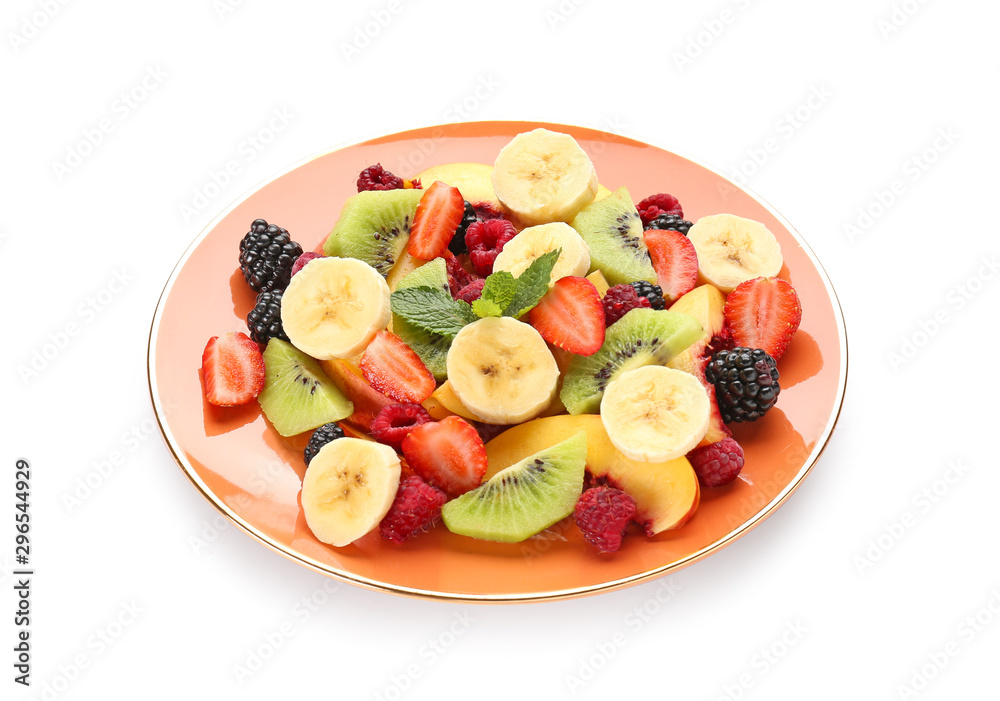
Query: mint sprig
{"x": 498, "y": 291}
{"x": 532, "y": 284}
{"x": 432, "y": 309}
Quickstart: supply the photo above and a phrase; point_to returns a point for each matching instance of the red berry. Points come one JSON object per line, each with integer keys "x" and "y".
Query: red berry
{"x": 763, "y": 313}
{"x": 416, "y": 508}
{"x": 571, "y": 316}
{"x": 448, "y": 454}
{"x": 603, "y": 514}
{"x": 438, "y": 215}
{"x": 301, "y": 261}
{"x": 395, "y": 370}
{"x": 655, "y": 205}
{"x": 473, "y": 291}
{"x": 717, "y": 464}
{"x": 620, "y": 300}
{"x": 232, "y": 367}
{"x": 458, "y": 276}
{"x": 393, "y": 423}
{"x": 674, "y": 260}
{"x": 485, "y": 239}
{"x": 377, "y": 178}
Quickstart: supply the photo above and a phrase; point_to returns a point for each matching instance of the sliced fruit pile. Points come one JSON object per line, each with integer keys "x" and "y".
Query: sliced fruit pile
{"x": 509, "y": 346}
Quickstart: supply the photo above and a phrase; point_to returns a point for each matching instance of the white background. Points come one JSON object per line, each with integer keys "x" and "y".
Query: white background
{"x": 861, "y": 584}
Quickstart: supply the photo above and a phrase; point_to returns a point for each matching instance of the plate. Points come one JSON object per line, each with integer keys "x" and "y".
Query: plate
{"x": 253, "y": 476}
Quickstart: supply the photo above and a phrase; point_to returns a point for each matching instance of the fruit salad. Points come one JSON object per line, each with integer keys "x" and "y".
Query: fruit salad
{"x": 492, "y": 349}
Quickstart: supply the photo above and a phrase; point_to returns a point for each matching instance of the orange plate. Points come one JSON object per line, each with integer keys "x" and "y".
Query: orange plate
{"x": 253, "y": 476}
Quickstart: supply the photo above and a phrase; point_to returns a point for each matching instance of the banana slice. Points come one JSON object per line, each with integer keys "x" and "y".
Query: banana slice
{"x": 543, "y": 176}
{"x": 502, "y": 370}
{"x": 732, "y": 249}
{"x": 334, "y": 306}
{"x": 655, "y": 414}
{"x": 348, "y": 488}
{"x": 535, "y": 241}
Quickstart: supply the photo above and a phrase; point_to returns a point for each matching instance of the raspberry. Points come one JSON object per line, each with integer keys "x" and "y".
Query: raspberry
{"x": 301, "y": 261}
{"x": 473, "y": 291}
{"x": 416, "y": 508}
{"x": 717, "y": 464}
{"x": 485, "y": 240}
{"x": 654, "y": 293}
{"x": 264, "y": 320}
{"x": 655, "y": 205}
{"x": 320, "y": 437}
{"x": 620, "y": 300}
{"x": 394, "y": 422}
{"x": 377, "y": 178}
{"x": 603, "y": 514}
{"x": 458, "y": 276}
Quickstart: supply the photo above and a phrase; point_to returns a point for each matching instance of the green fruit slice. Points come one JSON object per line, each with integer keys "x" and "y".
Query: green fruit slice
{"x": 431, "y": 347}
{"x": 523, "y": 499}
{"x": 374, "y": 226}
{"x": 297, "y": 395}
{"x": 641, "y": 337}
{"x": 613, "y": 231}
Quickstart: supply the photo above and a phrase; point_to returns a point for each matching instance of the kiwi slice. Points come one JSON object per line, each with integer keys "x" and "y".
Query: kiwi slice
{"x": 641, "y": 337}
{"x": 431, "y": 347}
{"x": 612, "y": 229}
{"x": 374, "y": 226}
{"x": 297, "y": 395}
{"x": 523, "y": 499}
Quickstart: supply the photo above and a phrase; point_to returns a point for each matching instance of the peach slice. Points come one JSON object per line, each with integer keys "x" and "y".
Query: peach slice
{"x": 368, "y": 401}
{"x": 666, "y": 493}
{"x": 444, "y": 402}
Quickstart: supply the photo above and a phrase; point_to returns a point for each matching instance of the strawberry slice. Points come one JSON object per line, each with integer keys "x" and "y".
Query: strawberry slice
{"x": 232, "y": 368}
{"x": 395, "y": 370}
{"x": 674, "y": 260}
{"x": 438, "y": 215}
{"x": 448, "y": 454}
{"x": 571, "y": 316}
{"x": 763, "y": 313}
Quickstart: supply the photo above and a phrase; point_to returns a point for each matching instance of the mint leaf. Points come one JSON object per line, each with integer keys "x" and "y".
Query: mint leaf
{"x": 498, "y": 291}
{"x": 532, "y": 284}
{"x": 432, "y": 309}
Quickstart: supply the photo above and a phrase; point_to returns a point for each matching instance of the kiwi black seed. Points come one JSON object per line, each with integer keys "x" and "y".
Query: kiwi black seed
{"x": 374, "y": 226}
{"x": 612, "y": 229}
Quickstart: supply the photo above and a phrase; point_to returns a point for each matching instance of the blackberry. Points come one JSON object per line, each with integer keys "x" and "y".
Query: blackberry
{"x": 746, "y": 383}
{"x": 267, "y": 254}
{"x": 654, "y": 293}
{"x": 320, "y": 437}
{"x": 457, "y": 243}
{"x": 264, "y": 320}
{"x": 669, "y": 221}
